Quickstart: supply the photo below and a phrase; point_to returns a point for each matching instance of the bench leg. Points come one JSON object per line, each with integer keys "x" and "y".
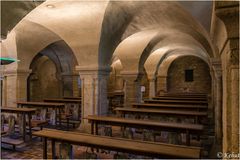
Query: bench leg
{"x": 24, "y": 127}
{"x": 30, "y": 126}
{"x": 96, "y": 128}
{"x": 14, "y": 147}
{"x": 187, "y": 138}
{"x": 68, "y": 124}
{"x": 53, "y": 150}
{"x": 44, "y": 148}
{"x": 41, "y": 139}
{"x": 92, "y": 128}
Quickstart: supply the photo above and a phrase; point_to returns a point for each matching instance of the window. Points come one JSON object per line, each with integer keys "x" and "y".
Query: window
{"x": 188, "y": 75}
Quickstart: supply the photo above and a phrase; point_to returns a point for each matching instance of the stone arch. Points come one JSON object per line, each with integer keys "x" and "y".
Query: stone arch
{"x": 28, "y": 47}
{"x": 200, "y": 84}
{"x": 43, "y": 81}
{"x": 64, "y": 60}
{"x": 162, "y": 70}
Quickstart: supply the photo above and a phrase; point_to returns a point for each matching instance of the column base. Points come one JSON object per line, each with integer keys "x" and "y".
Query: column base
{"x": 84, "y": 128}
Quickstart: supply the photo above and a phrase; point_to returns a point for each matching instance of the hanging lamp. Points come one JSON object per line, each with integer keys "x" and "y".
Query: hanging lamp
{"x": 6, "y": 60}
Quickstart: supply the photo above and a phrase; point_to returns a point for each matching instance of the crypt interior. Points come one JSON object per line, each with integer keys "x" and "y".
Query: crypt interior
{"x": 119, "y": 79}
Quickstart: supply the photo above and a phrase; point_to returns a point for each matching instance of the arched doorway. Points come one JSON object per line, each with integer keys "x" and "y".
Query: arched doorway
{"x": 53, "y": 73}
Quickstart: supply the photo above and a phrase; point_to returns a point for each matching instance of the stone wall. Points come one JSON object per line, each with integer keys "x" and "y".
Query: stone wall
{"x": 201, "y": 76}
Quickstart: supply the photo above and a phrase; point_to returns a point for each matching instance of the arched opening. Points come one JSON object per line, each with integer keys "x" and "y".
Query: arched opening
{"x": 44, "y": 81}
{"x": 53, "y": 73}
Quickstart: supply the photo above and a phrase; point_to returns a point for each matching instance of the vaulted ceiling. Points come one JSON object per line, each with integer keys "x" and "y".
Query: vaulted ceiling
{"x": 13, "y": 11}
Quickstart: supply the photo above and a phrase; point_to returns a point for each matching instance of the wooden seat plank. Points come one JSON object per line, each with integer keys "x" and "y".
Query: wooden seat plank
{"x": 142, "y": 123}
{"x": 181, "y": 98}
{"x": 78, "y": 101}
{"x": 10, "y": 141}
{"x": 169, "y": 106}
{"x": 117, "y": 144}
{"x": 17, "y": 110}
{"x": 40, "y": 104}
{"x": 161, "y": 111}
{"x": 186, "y": 102}
{"x": 38, "y": 123}
{"x": 72, "y": 97}
{"x": 145, "y": 124}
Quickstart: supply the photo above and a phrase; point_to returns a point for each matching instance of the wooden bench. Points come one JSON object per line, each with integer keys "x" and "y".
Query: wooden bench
{"x": 74, "y": 123}
{"x": 181, "y": 98}
{"x": 12, "y": 142}
{"x": 145, "y": 124}
{"x": 151, "y": 149}
{"x": 185, "y": 95}
{"x": 70, "y": 102}
{"x": 166, "y": 112}
{"x": 57, "y": 107}
{"x": 185, "y": 102}
{"x": 72, "y": 97}
{"x": 24, "y": 112}
{"x": 38, "y": 123}
{"x": 59, "y": 100}
{"x": 170, "y": 106}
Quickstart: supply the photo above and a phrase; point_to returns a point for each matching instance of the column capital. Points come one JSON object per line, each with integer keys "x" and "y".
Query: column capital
{"x": 130, "y": 75}
{"x": 17, "y": 72}
{"x": 93, "y": 70}
{"x": 217, "y": 66}
{"x": 161, "y": 76}
{"x": 151, "y": 77}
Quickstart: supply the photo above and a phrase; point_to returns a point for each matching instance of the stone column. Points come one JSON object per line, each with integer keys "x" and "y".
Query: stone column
{"x": 217, "y": 67}
{"x": 94, "y": 94}
{"x": 69, "y": 84}
{"x": 161, "y": 84}
{"x": 119, "y": 83}
{"x": 152, "y": 88}
{"x": 14, "y": 86}
{"x": 76, "y": 88}
{"x": 228, "y": 12}
{"x": 132, "y": 89}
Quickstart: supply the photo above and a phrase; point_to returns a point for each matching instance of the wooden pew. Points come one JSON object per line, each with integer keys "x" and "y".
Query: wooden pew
{"x": 24, "y": 112}
{"x": 59, "y": 100}
{"x": 168, "y": 112}
{"x": 77, "y": 98}
{"x": 186, "y": 95}
{"x": 185, "y": 102}
{"x": 151, "y": 149}
{"x": 68, "y": 101}
{"x": 170, "y": 106}
{"x": 56, "y": 106}
{"x": 180, "y": 98}
{"x": 145, "y": 124}
{"x": 12, "y": 142}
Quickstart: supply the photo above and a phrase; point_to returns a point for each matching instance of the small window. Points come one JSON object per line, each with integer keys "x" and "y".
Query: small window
{"x": 189, "y": 75}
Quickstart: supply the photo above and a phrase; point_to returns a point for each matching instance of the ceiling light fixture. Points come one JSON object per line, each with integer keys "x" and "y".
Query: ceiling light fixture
{"x": 50, "y": 6}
